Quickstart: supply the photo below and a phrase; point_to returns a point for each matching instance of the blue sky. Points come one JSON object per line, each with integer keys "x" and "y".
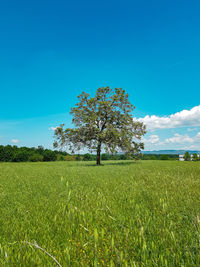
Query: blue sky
{"x": 50, "y": 51}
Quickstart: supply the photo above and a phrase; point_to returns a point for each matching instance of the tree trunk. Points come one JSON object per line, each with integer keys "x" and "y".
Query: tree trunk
{"x": 99, "y": 154}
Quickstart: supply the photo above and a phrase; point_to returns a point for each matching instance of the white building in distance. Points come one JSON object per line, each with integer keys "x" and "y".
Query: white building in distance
{"x": 181, "y": 157}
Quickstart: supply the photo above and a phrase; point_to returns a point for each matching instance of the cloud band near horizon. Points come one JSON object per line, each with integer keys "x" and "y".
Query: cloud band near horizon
{"x": 184, "y": 118}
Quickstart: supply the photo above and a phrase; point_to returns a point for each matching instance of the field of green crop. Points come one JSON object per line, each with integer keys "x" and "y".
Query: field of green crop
{"x": 120, "y": 214}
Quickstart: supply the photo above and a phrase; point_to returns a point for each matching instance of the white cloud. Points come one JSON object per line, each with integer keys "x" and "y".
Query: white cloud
{"x": 191, "y": 129}
{"x": 177, "y": 141}
{"x": 53, "y": 128}
{"x": 178, "y": 138}
{"x": 153, "y": 139}
{"x": 15, "y": 141}
{"x": 184, "y": 118}
{"x": 191, "y": 147}
{"x": 198, "y": 136}
{"x": 182, "y": 139}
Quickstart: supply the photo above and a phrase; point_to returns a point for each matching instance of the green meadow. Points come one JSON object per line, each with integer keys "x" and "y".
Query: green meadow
{"x": 124, "y": 213}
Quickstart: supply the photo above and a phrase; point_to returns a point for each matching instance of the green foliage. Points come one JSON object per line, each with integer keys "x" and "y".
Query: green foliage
{"x": 195, "y": 157}
{"x": 103, "y": 120}
{"x": 88, "y": 157}
{"x": 49, "y": 155}
{"x": 164, "y": 157}
{"x": 122, "y": 214}
{"x": 105, "y": 156}
{"x": 159, "y": 157}
{"x": 117, "y": 156}
{"x": 7, "y": 152}
{"x": 70, "y": 158}
{"x": 78, "y": 157}
{"x": 123, "y": 156}
{"x": 21, "y": 154}
{"x": 187, "y": 156}
{"x": 35, "y": 157}
{"x": 62, "y": 158}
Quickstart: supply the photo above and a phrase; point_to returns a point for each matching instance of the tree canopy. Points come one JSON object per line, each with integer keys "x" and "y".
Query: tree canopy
{"x": 21, "y": 154}
{"x": 103, "y": 121}
{"x": 187, "y": 156}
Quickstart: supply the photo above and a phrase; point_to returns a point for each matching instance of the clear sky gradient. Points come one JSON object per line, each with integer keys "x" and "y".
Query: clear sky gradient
{"x": 50, "y": 51}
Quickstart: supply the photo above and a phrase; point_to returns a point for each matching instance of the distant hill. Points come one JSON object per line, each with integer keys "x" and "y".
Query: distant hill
{"x": 171, "y": 152}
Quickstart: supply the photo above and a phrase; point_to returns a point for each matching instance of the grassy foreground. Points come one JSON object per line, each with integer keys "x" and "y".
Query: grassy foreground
{"x": 120, "y": 214}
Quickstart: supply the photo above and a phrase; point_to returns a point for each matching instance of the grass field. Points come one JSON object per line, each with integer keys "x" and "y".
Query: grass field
{"x": 121, "y": 214}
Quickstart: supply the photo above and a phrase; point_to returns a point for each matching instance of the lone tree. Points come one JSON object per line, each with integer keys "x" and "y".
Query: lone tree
{"x": 103, "y": 121}
{"x": 195, "y": 157}
{"x": 187, "y": 156}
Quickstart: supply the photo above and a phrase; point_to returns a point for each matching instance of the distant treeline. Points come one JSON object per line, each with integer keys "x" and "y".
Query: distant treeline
{"x": 160, "y": 157}
{"x": 22, "y": 154}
